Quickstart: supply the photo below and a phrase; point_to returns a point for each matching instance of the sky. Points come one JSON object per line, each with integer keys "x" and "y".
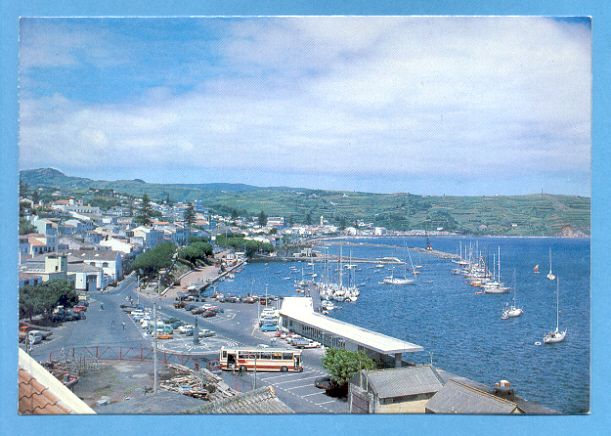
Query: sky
{"x": 427, "y": 105}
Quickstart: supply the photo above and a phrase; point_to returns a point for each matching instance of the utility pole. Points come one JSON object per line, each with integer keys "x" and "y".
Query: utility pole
{"x": 255, "y": 375}
{"x": 155, "y": 347}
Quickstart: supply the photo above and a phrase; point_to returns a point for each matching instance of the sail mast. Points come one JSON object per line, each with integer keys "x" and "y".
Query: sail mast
{"x": 557, "y": 302}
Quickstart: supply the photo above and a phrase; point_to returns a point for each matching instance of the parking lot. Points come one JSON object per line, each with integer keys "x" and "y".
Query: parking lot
{"x": 301, "y": 387}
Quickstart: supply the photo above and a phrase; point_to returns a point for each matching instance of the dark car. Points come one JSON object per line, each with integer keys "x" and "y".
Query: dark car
{"x": 208, "y": 313}
{"x": 331, "y": 388}
{"x": 233, "y": 299}
{"x": 190, "y": 307}
{"x": 324, "y": 383}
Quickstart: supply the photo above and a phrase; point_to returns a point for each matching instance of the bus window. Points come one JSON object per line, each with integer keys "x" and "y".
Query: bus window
{"x": 277, "y": 356}
{"x": 296, "y": 358}
{"x": 266, "y": 356}
{"x": 224, "y": 354}
{"x": 287, "y": 356}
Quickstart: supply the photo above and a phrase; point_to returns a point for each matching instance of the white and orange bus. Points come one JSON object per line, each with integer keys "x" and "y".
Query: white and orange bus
{"x": 264, "y": 359}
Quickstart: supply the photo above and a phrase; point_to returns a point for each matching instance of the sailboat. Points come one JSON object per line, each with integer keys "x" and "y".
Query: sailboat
{"x": 536, "y": 269}
{"x": 496, "y": 286}
{"x": 556, "y": 335}
{"x": 392, "y": 280}
{"x": 550, "y": 274}
{"x": 512, "y": 311}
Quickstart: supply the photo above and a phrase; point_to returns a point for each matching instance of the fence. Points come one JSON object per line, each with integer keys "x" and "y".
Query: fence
{"x": 136, "y": 354}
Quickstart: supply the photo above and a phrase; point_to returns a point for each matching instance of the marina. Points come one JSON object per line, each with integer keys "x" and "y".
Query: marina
{"x": 459, "y": 327}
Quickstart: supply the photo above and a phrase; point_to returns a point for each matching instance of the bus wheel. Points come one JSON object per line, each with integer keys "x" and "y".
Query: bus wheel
{"x": 284, "y": 369}
{"x": 242, "y": 368}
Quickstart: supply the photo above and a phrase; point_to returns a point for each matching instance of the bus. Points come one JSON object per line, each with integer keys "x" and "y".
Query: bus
{"x": 260, "y": 359}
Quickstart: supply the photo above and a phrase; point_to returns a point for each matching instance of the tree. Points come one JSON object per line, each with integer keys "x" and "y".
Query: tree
{"x": 342, "y": 364}
{"x": 189, "y": 216}
{"x": 145, "y": 212}
{"x": 35, "y": 197}
{"x": 151, "y": 261}
{"x": 262, "y": 219}
{"x": 308, "y": 219}
{"x": 25, "y": 227}
{"x": 23, "y": 188}
{"x": 41, "y": 299}
{"x": 196, "y": 251}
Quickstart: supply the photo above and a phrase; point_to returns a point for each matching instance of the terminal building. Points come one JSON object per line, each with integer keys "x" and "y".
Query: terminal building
{"x": 297, "y": 315}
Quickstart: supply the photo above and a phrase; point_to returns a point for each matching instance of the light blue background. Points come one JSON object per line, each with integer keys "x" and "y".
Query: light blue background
{"x": 597, "y": 423}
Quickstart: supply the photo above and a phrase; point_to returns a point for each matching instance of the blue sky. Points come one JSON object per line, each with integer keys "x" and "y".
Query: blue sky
{"x": 429, "y": 105}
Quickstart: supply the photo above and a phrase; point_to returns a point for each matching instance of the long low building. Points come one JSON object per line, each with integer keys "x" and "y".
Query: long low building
{"x": 297, "y": 315}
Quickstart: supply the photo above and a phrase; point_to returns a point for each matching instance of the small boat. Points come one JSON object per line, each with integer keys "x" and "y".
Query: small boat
{"x": 556, "y": 335}
{"x": 536, "y": 269}
{"x": 379, "y": 265}
{"x": 512, "y": 311}
{"x": 550, "y": 274}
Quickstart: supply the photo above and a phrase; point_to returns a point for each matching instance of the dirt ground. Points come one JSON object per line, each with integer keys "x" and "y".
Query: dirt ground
{"x": 117, "y": 381}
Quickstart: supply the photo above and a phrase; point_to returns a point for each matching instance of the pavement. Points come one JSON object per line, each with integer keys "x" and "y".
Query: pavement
{"x": 103, "y": 326}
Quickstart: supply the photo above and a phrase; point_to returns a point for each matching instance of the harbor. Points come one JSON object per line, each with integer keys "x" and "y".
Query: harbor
{"x": 459, "y": 327}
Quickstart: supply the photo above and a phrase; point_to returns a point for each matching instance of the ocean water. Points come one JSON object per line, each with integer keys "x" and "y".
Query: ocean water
{"x": 462, "y": 329}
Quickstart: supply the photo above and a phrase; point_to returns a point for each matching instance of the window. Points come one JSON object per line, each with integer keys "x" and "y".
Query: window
{"x": 224, "y": 354}
{"x": 277, "y": 356}
{"x": 105, "y": 265}
{"x": 287, "y": 356}
{"x": 266, "y": 356}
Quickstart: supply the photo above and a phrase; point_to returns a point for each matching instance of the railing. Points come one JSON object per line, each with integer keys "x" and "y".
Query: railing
{"x": 137, "y": 354}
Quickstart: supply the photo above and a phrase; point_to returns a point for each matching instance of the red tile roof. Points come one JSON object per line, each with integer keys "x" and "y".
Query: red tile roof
{"x": 40, "y": 393}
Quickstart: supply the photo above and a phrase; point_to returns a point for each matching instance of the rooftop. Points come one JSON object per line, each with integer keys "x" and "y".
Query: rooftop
{"x": 260, "y": 401}
{"x": 399, "y": 382}
{"x": 301, "y": 309}
{"x": 40, "y": 393}
{"x": 457, "y": 397}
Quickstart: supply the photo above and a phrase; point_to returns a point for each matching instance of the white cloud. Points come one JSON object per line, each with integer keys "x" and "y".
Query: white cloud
{"x": 370, "y": 95}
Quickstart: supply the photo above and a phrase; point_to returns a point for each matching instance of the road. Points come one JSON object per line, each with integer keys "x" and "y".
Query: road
{"x": 237, "y": 325}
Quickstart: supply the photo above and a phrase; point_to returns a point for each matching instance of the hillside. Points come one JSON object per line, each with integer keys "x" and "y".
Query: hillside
{"x": 538, "y": 214}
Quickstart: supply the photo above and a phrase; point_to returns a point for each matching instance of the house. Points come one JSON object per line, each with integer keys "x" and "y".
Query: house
{"x": 40, "y": 393}
{"x": 109, "y": 261}
{"x": 49, "y": 229}
{"x": 86, "y": 277}
{"x": 45, "y": 267}
{"x": 457, "y": 397}
{"x": 116, "y": 243}
{"x": 394, "y": 390}
{"x": 150, "y": 237}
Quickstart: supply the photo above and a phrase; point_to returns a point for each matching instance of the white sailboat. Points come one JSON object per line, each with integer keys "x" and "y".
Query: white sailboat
{"x": 550, "y": 274}
{"x": 513, "y": 311}
{"x": 556, "y": 335}
{"x": 392, "y": 280}
{"x": 496, "y": 286}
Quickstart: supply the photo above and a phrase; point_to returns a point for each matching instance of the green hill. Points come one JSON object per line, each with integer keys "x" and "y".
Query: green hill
{"x": 538, "y": 214}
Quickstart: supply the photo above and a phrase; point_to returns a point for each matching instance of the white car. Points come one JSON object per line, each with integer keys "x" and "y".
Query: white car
{"x": 312, "y": 344}
{"x": 183, "y": 328}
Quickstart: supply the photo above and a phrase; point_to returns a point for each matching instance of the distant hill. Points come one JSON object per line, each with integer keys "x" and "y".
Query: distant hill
{"x": 537, "y": 214}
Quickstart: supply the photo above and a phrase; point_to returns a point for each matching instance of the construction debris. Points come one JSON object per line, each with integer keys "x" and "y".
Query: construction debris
{"x": 203, "y": 385}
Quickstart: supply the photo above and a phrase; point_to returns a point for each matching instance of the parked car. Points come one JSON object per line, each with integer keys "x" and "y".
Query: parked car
{"x": 300, "y": 342}
{"x": 324, "y": 383}
{"x": 190, "y": 307}
{"x": 208, "y": 313}
{"x": 232, "y": 299}
{"x": 164, "y": 336}
{"x": 34, "y": 337}
{"x": 197, "y": 310}
{"x": 183, "y": 328}
{"x": 79, "y": 308}
{"x": 206, "y": 333}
